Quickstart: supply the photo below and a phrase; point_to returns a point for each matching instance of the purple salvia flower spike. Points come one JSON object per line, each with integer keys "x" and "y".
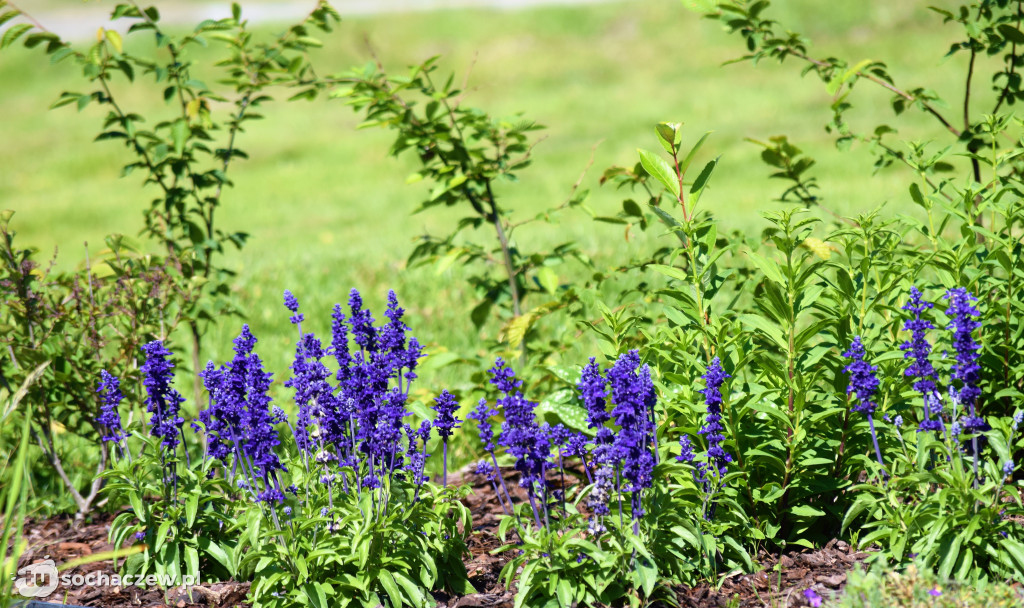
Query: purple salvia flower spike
{"x": 109, "y": 417}
{"x": 162, "y": 401}
{"x": 919, "y": 349}
{"x": 863, "y": 383}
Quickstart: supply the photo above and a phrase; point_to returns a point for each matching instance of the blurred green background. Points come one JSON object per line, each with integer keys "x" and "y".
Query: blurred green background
{"x": 328, "y": 209}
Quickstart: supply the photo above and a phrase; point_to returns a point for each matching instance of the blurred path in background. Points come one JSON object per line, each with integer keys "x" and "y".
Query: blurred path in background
{"x": 79, "y": 20}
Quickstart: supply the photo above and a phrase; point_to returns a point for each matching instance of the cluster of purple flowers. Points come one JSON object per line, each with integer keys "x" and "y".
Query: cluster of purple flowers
{"x": 709, "y": 474}
{"x": 965, "y": 370}
{"x": 239, "y": 422}
{"x": 350, "y": 423}
{"x": 446, "y": 422}
{"x": 918, "y": 349}
{"x": 621, "y": 456}
{"x": 109, "y": 417}
{"x": 962, "y": 315}
{"x": 863, "y": 378}
{"x": 963, "y": 322}
{"x": 358, "y": 416}
{"x": 162, "y": 400}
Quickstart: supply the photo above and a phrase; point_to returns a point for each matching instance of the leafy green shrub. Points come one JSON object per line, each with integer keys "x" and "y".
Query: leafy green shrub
{"x": 941, "y": 497}
{"x": 464, "y": 153}
{"x": 780, "y": 310}
{"x": 61, "y": 329}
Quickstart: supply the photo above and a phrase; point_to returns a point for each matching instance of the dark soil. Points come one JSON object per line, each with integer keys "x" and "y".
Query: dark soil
{"x": 824, "y": 569}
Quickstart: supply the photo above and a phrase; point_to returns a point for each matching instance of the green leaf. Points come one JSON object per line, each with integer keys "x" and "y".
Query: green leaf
{"x": 770, "y": 269}
{"x": 841, "y": 78}
{"x": 315, "y": 593}
{"x": 448, "y": 259}
{"x": 806, "y": 511}
{"x": 548, "y": 279}
{"x": 211, "y": 548}
{"x": 161, "y": 536}
{"x": 647, "y": 572}
{"x": 191, "y": 561}
{"x": 667, "y": 219}
{"x": 1011, "y": 33}
{"x": 770, "y": 329}
{"x": 179, "y": 134}
{"x": 11, "y": 35}
{"x": 115, "y": 40}
{"x": 1016, "y": 551}
{"x": 702, "y": 180}
{"x": 412, "y": 591}
{"x": 671, "y": 272}
{"x": 950, "y": 555}
{"x": 191, "y": 508}
{"x": 685, "y": 165}
{"x": 565, "y": 408}
{"x": 659, "y": 168}
{"x": 391, "y": 588}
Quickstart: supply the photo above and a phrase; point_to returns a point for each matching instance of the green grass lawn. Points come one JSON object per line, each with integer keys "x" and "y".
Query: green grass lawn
{"x": 328, "y": 210}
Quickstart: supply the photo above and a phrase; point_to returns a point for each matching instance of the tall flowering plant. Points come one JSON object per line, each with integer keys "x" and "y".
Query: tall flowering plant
{"x": 344, "y": 510}
{"x": 951, "y": 497}
{"x": 181, "y": 513}
{"x": 710, "y": 470}
{"x": 330, "y": 506}
{"x": 594, "y": 542}
{"x": 704, "y": 485}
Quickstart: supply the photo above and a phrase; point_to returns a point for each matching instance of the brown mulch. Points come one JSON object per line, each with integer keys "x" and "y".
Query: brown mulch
{"x": 823, "y": 569}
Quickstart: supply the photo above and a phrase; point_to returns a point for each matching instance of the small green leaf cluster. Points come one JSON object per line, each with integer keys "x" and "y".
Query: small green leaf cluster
{"x": 342, "y": 555}
{"x": 560, "y": 565}
{"x": 183, "y": 519}
{"x": 946, "y": 501}
{"x": 465, "y": 155}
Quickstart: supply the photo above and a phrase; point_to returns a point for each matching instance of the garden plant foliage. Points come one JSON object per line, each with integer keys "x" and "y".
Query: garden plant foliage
{"x": 853, "y": 377}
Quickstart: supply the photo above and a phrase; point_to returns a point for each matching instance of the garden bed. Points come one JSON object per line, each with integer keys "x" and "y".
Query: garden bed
{"x": 55, "y": 538}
